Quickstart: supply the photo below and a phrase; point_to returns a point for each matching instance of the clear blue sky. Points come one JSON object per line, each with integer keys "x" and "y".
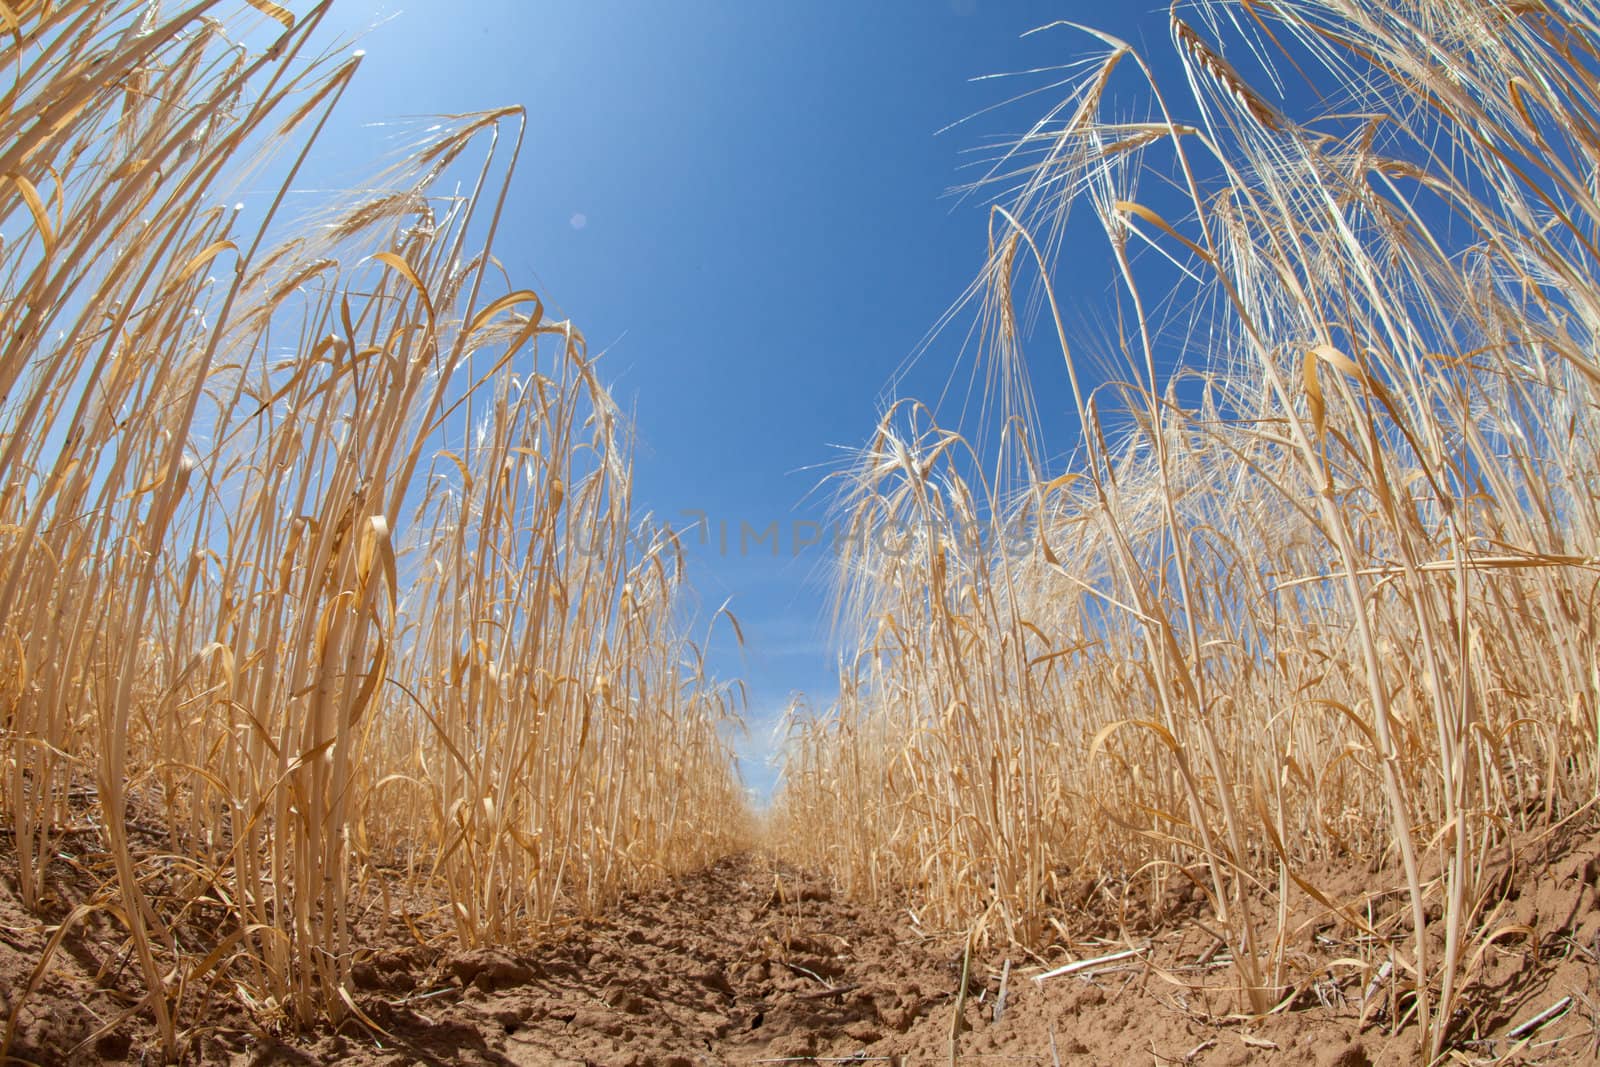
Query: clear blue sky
{"x": 744, "y": 203}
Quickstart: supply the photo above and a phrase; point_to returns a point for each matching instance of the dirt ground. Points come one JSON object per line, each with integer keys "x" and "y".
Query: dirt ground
{"x": 752, "y": 962}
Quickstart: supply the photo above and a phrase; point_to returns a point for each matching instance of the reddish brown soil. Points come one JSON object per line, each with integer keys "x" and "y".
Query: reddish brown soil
{"x": 748, "y": 962}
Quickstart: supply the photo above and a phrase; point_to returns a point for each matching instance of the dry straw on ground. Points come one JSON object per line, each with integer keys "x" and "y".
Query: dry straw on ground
{"x": 1318, "y": 582}
{"x": 315, "y": 553}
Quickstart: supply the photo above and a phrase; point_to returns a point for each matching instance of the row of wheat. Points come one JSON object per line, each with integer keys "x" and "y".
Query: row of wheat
{"x": 316, "y": 558}
{"x": 1317, "y": 584}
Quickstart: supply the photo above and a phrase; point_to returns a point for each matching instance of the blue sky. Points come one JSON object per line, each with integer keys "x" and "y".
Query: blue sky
{"x": 744, "y": 204}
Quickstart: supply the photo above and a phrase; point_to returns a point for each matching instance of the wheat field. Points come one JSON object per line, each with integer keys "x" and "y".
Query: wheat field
{"x": 323, "y": 590}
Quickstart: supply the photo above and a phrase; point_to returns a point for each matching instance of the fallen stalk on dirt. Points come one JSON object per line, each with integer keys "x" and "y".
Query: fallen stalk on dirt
{"x": 1087, "y": 965}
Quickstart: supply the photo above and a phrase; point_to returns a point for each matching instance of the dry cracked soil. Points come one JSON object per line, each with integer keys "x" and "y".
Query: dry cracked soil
{"x": 751, "y": 962}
